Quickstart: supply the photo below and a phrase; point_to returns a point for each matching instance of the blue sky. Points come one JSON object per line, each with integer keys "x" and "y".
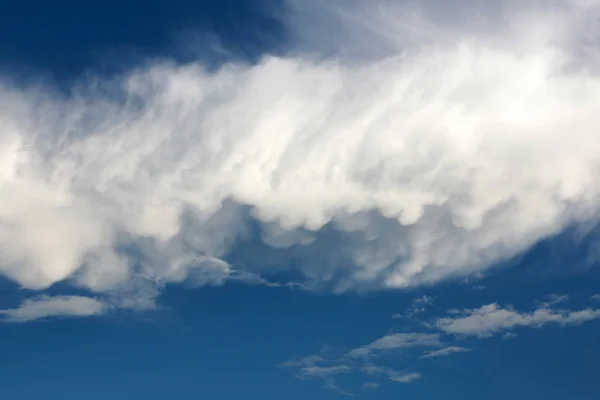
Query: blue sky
{"x": 299, "y": 199}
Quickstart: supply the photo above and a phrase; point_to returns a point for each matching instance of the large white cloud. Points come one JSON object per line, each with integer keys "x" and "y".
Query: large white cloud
{"x": 448, "y": 149}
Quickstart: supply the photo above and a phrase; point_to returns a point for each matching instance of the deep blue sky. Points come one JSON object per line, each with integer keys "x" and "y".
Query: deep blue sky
{"x": 63, "y": 39}
{"x": 227, "y": 342}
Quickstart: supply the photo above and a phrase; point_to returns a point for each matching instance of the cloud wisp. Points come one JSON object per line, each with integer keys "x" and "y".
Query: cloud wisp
{"x": 44, "y": 307}
{"x": 397, "y": 341}
{"x": 491, "y": 319}
{"x": 446, "y": 351}
{"x": 443, "y": 153}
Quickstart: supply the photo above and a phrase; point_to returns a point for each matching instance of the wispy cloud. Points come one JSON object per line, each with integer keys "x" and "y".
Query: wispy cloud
{"x": 390, "y": 373}
{"x": 370, "y": 386}
{"x": 418, "y": 305}
{"x": 406, "y": 378}
{"x": 58, "y": 306}
{"x": 492, "y": 318}
{"x": 446, "y": 351}
{"x": 317, "y": 367}
{"x": 378, "y": 359}
{"x": 395, "y": 342}
{"x": 553, "y": 299}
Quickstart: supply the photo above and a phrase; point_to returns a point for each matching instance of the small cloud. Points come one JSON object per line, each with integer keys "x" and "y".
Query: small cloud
{"x": 477, "y": 277}
{"x": 397, "y": 341}
{"x": 446, "y": 351}
{"x": 311, "y": 367}
{"x": 490, "y": 319}
{"x": 406, "y": 378}
{"x": 324, "y": 372}
{"x": 417, "y": 306}
{"x": 393, "y": 375}
{"x": 595, "y": 297}
{"x": 370, "y": 386}
{"x": 554, "y": 299}
{"x": 509, "y": 335}
{"x": 304, "y": 361}
{"x": 54, "y": 306}
{"x": 423, "y": 301}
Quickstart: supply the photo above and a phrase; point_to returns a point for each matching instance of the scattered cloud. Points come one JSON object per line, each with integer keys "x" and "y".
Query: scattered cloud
{"x": 482, "y": 322}
{"x": 418, "y": 305}
{"x": 58, "y": 306}
{"x": 553, "y": 300}
{"x": 397, "y": 341}
{"x": 390, "y": 373}
{"x": 491, "y": 319}
{"x": 446, "y": 351}
{"x": 317, "y": 367}
{"x": 595, "y": 297}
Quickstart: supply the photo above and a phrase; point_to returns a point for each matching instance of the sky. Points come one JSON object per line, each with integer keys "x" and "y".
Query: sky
{"x": 299, "y": 199}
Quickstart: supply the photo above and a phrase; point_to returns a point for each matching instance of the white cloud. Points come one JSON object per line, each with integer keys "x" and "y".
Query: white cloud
{"x": 443, "y": 152}
{"x": 397, "y": 341}
{"x": 490, "y": 319}
{"x": 446, "y": 351}
{"x": 595, "y": 297}
{"x": 57, "y": 306}
{"x": 390, "y": 373}
{"x": 406, "y": 378}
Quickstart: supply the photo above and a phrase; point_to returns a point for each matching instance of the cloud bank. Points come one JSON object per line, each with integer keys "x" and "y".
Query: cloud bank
{"x": 446, "y": 150}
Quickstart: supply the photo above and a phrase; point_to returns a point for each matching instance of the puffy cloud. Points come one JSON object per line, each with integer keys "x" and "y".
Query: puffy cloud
{"x": 490, "y": 319}
{"x": 397, "y": 341}
{"x": 443, "y": 152}
{"x": 446, "y": 351}
{"x": 54, "y": 306}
